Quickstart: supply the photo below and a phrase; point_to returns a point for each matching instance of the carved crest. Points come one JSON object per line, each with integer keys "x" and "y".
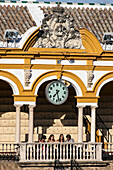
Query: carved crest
{"x": 58, "y": 31}
{"x": 90, "y": 77}
{"x": 27, "y": 76}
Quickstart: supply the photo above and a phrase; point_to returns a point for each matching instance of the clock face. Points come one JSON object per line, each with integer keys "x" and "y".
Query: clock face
{"x": 56, "y": 92}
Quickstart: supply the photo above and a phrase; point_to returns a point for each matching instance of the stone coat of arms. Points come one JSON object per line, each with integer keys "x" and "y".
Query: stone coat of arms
{"x": 58, "y": 31}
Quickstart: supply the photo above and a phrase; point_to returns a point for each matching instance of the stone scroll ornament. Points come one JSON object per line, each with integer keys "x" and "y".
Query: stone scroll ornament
{"x": 27, "y": 76}
{"x": 90, "y": 77}
{"x": 58, "y": 31}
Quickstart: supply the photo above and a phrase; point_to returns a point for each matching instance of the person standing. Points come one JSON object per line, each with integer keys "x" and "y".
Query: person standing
{"x": 69, "y": 138}
{"x": 70, "y": 147}
{"x": 51, "y": 138}
{"x": 61, "y": 138}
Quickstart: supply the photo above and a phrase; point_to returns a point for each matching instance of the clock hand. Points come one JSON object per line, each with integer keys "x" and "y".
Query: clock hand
{"x": 58, "y": 96}
{"x": 56, "y": 93}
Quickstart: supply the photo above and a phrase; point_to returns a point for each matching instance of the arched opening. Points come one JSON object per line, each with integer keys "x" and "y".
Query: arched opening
{"x": 55, "y": 119}
{"x": 105, "y": 113}
{"x": 8, "y": 116}
{"x": 7, "y": 113}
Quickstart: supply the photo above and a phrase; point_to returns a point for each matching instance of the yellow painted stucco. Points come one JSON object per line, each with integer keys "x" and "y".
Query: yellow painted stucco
{"x": 92, "y": 52}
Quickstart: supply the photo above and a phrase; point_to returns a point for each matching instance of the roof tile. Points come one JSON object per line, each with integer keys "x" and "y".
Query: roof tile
{"x": 96, "y": 20}
{"x": 18, "y": 18}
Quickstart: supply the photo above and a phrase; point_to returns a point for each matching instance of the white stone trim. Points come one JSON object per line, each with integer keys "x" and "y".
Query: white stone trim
{"x": 24, "y": 103}
{"x": 36, "y": 13}
{"x": 43, "y": 61}
{"x": 19, "y": 73}
{"x": 76, "y": 62}
{"x": 44, "y": 80}
{"x": 102, "y": 84}
{"x": 87, "y": 104}
{"x": 11, "y": 61}
{"x": 26, "y": 35}
{"x": 12, "y": 84}
{"x": 103, "y": 63}
{"x": 74, "y": 84}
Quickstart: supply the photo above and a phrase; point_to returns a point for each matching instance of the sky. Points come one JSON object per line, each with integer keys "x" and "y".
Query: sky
{"x": 81, "y": 1}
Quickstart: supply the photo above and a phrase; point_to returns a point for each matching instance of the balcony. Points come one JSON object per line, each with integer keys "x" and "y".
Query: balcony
{"x": 64, "y": 152}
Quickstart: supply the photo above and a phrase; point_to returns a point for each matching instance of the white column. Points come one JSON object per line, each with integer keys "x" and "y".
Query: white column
{"x": 30, "y": 139}
{"x": 17, "y": 124}
{"x": 80, "y": 124}
{"x": 93, "y": 122}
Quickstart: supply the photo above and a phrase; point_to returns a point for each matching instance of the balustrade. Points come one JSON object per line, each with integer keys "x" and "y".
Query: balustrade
{"x": 9, "y": 152}
{"x": 108, "y": 151}
{"x": 60, "y": 151}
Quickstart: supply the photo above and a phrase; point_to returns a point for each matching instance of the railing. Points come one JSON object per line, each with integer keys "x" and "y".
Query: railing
{"x": 108, "y": 151}
{"x": 9, "y": 152}
{"x": 87, "y": 124}
{"x": 108, "y": 135}
{"x": 60, "y": 151}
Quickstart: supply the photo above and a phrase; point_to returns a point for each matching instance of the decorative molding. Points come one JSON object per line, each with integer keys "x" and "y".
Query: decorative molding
{"x": 12, "y": 80}
{"x": 90, "y": 77}
{"x": 77, "y": 83}
{"x": 27, "y": 76}
{"x": 101, "y": 82}
{"x": 25, "y": 102}
{"x": 87, "y": 99}
{"x": 80, "y": 106}
{"x": 87, "y": 104}
{"x": 58, "y": 31}
{"x": 31, "y": 107}
{"x": 18, "y": 107}
{"x": 94, "y": 107}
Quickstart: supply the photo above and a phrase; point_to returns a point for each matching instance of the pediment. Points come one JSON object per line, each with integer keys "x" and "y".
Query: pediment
{"x": 58, "y": 31}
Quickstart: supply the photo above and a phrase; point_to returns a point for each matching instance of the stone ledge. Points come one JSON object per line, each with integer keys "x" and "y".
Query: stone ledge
{"x": 63, "y": 163}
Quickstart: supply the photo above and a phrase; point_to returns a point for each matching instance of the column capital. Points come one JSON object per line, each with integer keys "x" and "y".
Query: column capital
{"x": 93, "y": 107}
{"x": 80, "y": 106}
{"x": 17, "y": 105}
{"x": 31, "y": 106}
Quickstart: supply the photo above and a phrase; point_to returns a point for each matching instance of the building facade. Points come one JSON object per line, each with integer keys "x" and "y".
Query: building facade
{"x": 56, "y": 50}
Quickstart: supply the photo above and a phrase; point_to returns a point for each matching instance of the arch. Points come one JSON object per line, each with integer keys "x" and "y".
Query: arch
{"x": 101, "y": 82}
{"x": 77, "y": 83}
{"x": 90, "y": 42}
{"x": 12, "y": 81}
{"x": 30, "y": 37}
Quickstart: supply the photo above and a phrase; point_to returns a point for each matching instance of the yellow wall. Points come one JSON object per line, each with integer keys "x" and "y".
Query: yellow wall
{"x": 92, "y": 52}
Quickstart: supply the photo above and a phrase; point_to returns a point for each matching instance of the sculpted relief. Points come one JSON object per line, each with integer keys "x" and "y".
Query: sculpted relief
{"x": 58, "y": 31}
{"x": 90, "y": 77}
{"x": 27, "y": 76}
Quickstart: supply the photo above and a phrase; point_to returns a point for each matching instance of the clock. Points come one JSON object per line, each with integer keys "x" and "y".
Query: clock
{"x": 56, "y": 92}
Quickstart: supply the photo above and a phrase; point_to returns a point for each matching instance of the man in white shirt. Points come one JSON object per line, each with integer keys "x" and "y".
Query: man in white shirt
{"x": 69, "y": 138}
